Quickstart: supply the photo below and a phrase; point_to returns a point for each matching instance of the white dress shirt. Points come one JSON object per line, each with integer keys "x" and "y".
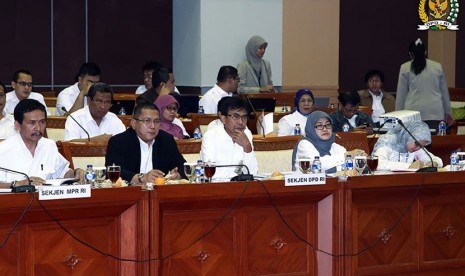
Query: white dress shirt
{"x": 146, "y": 155}
{"x": 47, "y": 162}
{"x": 7, "y": 126}
{"x": 178, "y": 122}
{"x": 66, "y": 98}
{"x": 219, "y": 147}
{"x": 210, "y": 100}
{"x": 12, "y": 100}
{"x": 305, "y": 149}
{"x": 110, "y": 124}
{"x": 142, "y": 88}
{"x": 377, "y": 106}
{"x": 287, "y": 123}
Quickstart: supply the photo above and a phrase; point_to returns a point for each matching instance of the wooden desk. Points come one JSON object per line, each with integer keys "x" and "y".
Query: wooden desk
{"x": 113, "y": 220}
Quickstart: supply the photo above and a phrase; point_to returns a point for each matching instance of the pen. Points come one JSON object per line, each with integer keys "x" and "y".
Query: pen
{"x": 41, "y": 167}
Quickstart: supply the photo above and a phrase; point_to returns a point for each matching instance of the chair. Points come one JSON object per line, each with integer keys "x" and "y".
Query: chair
{"x": 126, "y": 120}
{"x": 202, "y": 120}
{"x": 352, "y": 140}
{"x": 55, "y": 128}
{"x": 274, "y": 154}
{"x": 80, "y": 154}
{"x": 190, "y": 149}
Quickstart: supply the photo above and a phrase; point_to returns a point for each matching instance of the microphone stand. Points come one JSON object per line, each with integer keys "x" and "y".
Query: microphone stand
{"x": 425, "y": 169}
{"x": 23, "y": 188}
{"x": 239, "y": 177}
{"x": 255, "y": 114}
{"x": 66, "y": 112}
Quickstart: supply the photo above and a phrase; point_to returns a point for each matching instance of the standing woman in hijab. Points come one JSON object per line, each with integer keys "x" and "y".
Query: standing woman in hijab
{"x": 398, "y": 150}
{"x": 255, "y": 72}
{"x": 303, "y": 104}
{"x": 422, "y": 87}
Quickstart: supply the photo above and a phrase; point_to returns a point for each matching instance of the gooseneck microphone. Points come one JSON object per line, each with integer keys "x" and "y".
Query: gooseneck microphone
{"x": 241, "y": 176}
{"x": 23, "y": 188}
{"x": 69, "y": 114}
{"x": 256, "y": 116}
{"x": 425, "y": 169}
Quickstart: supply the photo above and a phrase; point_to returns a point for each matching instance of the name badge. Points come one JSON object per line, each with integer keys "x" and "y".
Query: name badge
{"x": 304, "y": 179}
{"x": 64, "y": 192}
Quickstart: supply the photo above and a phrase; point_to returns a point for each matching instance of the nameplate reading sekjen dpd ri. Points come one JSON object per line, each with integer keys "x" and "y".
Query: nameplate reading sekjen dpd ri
{"x": 63, "y": 192}
{"x": 304, "y": 179}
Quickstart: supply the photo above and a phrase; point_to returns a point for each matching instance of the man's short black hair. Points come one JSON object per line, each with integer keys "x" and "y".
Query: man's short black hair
{"x": 2, "y": 85}
{"x": 226, "y": 72}
{"x": 349, "y": 97}
{"x": 99, "y": 87}
{"x": 232, "y": 103}
{"x": 160, "y": 74}
{"x": 139, "y": 107}
{"x": 150, "y": 65}
{"x": 26, "y": 106}
{"x": 373, "y": 73}
{"x": 20, "y": 71}
{"x": 90, "y": 69}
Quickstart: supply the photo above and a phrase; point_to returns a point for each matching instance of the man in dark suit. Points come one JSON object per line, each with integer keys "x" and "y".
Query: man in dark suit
{"x": 143, "y": 151}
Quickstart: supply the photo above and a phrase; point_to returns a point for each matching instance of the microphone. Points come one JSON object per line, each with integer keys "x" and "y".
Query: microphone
{"x": 255, "y": 114}
{"x": 425, "y": 169}
{"x": 241, "y": 176}
{"x": 69, "y": 114}
{"x": 24, "y": 188}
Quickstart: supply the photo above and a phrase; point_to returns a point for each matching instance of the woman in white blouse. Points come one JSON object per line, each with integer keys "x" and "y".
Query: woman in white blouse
{"x": 303, "y": 103}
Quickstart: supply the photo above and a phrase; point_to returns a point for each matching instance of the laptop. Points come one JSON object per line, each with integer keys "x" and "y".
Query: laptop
{"x": 259, "y": 104}
{"x": 187, "y": 104}
{"x": 321, "y": 102}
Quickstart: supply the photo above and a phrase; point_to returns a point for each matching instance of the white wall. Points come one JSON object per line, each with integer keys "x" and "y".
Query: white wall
{"x": 225, "y": 27}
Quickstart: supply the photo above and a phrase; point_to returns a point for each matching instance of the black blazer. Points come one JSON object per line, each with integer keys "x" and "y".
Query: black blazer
{"x": 124, "y": 150}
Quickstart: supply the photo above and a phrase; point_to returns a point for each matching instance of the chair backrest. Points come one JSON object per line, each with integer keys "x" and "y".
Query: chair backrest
{"x": 55, "y": 128}
{"x": 202, "y": 120}
{"x": 352, "y": 140}
{"x": 274, "y": 154}
{"x": 190, "y": 149}
{"x": 80, "y": 154}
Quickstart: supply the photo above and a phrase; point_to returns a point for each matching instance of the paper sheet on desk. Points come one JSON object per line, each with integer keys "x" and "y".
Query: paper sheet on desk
{"x": 267, "y": 124}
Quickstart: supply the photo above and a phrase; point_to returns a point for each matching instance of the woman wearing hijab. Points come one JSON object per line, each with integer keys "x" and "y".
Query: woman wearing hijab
{"x": 422, "y": 87}
{"x": 398, "y": 150}
{"x": 303, "y": 104}
{"x": 169, "y": 107}
{"x": 319, "y": 141}
{"x": 255, "y": 72}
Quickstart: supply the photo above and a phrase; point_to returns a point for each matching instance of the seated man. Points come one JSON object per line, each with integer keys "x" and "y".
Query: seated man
{"x": 227, "y": 81}
{"x": 73, "y": 97}
{"x": 95, "y": 118}
{"x": 232, "y": 143}
{"x": 22, "y": 85}
{"x": 380, "y": 101}
{"x": 143, "y": 151}
{"x": 7, "y": 121}
{"x": 348, "y": 115}
{"x": 147, "y": 70}
{"x": 162, "y": 83}
{"x": 29, "y": 152}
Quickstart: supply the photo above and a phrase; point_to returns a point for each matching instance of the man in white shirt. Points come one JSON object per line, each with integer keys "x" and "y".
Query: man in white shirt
{"x": 29, "y": 152}
{"x": 22, "y": 85}
{"x": 232, "y": 143}
{"x": 147, "y": 70}
{"x": 227, "y": 81}
{"x": 95, "y": 118}
{"x": 7, "y": 121}
{"x": 73, "y": 97}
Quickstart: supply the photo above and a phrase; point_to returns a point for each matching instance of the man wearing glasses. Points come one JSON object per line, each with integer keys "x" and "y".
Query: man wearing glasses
{"x": 227, "y": 81}
{"x": 232, "y": 143}
{"x": 95, "y": 118}
{"x": 144, "y": 151}
{"x": 22, "y": 85}
{"x": 349, "y": 115}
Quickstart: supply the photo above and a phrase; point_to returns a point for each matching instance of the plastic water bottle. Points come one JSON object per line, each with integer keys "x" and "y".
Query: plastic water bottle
{"x": 201, "y": 110}
{"x": 316, "y": 165}
{"x": 345, "y": 127}
{"x": 89, "y": 176}
{"x": 454, "y": 162}
{"x": 122, "y": 111}
{"x": 297, "y": 129}
{"x": 197, "y": 133}
{"x": 442, "y": 128}
{"x": 349, "y": 165}
{"x": 199, "y": 171}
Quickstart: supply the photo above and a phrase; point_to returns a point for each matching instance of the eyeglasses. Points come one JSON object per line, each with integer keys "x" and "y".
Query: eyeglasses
{"x": 102, "y": 102}
{"x": 352, "y": 110}
{"x": 147, "y": 76}
{"x": 23, "y": 83}
{"x": 236, "y": 117}
{"x": 148, "y": 121}
{"x": 172, "y": 108}
{"x": 321, "y": 127}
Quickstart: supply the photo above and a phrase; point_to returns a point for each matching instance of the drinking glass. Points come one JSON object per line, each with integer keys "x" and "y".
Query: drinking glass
{"x": 113, "y": 172}
{"x": 360, "y": 163}
{"x": 189, "y": 170}
{"x": 372, "y": 162}
{"x": 304, "y": 165}
{"x": 210, "y": 169}
{"x": 100, "y": 175}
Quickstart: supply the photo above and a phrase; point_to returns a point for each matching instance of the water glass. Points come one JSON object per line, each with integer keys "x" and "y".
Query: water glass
{"x": 189, "y": 170}
{"x": 360, "y": 163}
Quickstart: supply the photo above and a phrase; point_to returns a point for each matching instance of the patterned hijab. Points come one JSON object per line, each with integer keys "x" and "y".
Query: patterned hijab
{"x": 397, "y": 138}
{"x": 162, "y": 102}
{"x": 299, "y": 95}
{"x": 322, "y": 146}
{"x": 251, "y": 52}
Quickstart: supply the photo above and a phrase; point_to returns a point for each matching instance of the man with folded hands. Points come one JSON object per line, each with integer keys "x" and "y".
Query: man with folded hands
{"x": 29, "y": 152}
{"x": 144, "y": 151}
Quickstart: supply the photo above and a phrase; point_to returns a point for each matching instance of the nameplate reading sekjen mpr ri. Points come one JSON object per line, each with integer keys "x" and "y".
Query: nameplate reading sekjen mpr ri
{"x": 63, "y": 192}
{"x": 304, "y": 179}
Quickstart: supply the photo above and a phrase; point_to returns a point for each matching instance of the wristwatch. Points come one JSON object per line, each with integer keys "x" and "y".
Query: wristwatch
{"x": 139, "y": 177}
